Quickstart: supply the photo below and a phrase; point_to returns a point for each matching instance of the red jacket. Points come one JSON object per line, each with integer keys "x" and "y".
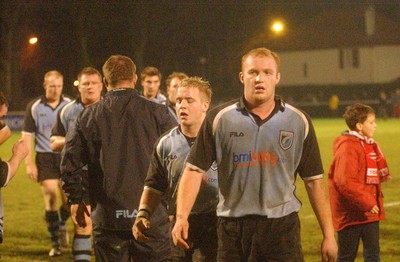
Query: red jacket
{"x": 350, "y": 197}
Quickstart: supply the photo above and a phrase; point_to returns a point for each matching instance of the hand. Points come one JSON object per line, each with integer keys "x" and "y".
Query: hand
{"x": 32, "y": 171}
{"x": 329, "y": 249}
{"x": 20, "y": 150}
{"x": 375, "y": 209}
{"x": 180, "y": 233}
{"x": 140, "y": 225}
{"x": 80, "y": 213}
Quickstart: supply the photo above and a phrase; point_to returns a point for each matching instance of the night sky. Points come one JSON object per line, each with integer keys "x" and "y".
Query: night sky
{"x": 205, "y": 39}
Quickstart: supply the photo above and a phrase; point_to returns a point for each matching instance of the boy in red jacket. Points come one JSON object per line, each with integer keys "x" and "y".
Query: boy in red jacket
{"x": 355, "y": 177}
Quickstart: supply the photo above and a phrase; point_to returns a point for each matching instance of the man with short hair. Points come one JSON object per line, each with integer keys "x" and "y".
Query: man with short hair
{"x": 151, "y": 81}
{"x": 8, "y": 169}
{"x": 168, "y": 162}
{"x": 172, "y": 83}
{"x": 89, "y": 87}
{"x": 260, "y": 144}
{"x": 40, "y": 117}
{"x": 115, "y": 138}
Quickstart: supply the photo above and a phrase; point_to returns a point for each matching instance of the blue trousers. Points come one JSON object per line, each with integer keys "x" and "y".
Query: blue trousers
{"x": 349, "y": 240}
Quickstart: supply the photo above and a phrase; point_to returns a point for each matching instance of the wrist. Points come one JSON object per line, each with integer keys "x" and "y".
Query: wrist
{"x": 143, "y": 213}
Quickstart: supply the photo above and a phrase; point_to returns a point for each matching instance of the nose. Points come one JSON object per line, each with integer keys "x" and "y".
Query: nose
{"x": 258, "y": 78}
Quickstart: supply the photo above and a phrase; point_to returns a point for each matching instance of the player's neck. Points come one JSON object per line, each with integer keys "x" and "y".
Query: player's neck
{"x": 263, "y": 110}
{"x": 190, "y": 130}
{"x": 53, "y": 103}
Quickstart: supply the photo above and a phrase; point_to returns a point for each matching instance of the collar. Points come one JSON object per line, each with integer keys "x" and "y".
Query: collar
{"x": 279, "y": 104}
{"x": 121, "y": 91}
{"x": 359, "y": 136}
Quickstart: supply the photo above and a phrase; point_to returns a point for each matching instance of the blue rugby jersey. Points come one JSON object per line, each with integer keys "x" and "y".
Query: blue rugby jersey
{"x": 166, "y": 167}
{"x": 40, "y": 119}
{"x": 257, "y": 162}
{"x": 66, "y": 117}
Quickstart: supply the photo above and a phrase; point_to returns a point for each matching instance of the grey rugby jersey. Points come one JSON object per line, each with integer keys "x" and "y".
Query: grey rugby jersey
{"x": 257, "y": 162}
{"x": 40, "y": 119}
{"x": 66, "y": 117}
{"x": 166, "y": 167}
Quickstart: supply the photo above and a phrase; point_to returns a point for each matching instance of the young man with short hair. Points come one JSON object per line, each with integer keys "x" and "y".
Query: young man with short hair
{"x": 260, "y": 144}
{"x": 151, "y": 81}
{"x": 193, "y": 99}
{"x": 115, "y": 138}
{"x": 89, "y": 87}
{"x": 40, "y": 117}
{"x": 172, "y": 82}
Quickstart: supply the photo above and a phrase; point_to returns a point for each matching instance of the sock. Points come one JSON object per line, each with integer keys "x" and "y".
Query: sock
{"x": 1, "y": 230}
{"x": 82, "y": 247}
{"x": 65, "y": 213}
{"x": 53, "y": 227}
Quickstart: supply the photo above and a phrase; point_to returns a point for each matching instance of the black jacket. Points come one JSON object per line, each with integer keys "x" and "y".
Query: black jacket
{"x": 115, "y": 137}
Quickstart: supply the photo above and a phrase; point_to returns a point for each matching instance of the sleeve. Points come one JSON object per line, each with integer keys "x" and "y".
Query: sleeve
{"x": 347, "y": 177}
{"x": 29, "y": 121}
{"x": 310, "y": 166}
{"x": 157, "y": 175}
{"x": 58, "y": 129}
{"x": 73, "y": 164}
{"x": 3, "y": 173}
{"x": 203, "y": 152}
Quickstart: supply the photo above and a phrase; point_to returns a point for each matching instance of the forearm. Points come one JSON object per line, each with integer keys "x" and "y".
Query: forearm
{"x": 188, "y": 189}
{"x": 320, "y": 204}
{"x": 57, "y": 143}
{"x": 5, "y": 134}
{"x": 27, "y": 138}
{"x": 149, "y": 201}
{"x": 13, "y": 164}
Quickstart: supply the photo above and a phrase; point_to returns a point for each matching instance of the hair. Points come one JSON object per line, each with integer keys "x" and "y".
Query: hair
{"x": 199, "y": 83}
{"x": 118, "y": 68}
{"x": 357, "y": 113}
{"x": 52, "y": 73}
{"x": 179, "y": 75}
{"x": 3, "y": 99}
{"x": 150, "y": 71}
{"x": 89, "y": 71}
{"x": 263, "y": 52}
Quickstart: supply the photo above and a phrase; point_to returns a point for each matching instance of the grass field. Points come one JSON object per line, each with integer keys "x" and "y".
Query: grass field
{"x": 26, "y": 236}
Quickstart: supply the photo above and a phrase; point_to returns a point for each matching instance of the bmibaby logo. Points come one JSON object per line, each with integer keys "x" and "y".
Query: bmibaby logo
{"x": 125, "y": 213}
{"x": 251, "y": 158}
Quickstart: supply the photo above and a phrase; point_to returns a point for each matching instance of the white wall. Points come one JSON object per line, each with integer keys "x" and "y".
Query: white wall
{"x": 376, "y": 65}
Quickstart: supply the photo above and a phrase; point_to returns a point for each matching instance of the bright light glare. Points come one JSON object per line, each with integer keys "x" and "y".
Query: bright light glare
{"x": 33, "y": 40}
{"x": 76, "y": 83}
{"x": 277, "y": 27}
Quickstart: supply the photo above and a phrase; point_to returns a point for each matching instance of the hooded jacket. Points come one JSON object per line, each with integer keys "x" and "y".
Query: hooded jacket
{"x": 351, "y": 198}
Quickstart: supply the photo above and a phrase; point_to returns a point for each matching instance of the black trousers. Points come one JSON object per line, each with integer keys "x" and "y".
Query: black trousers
{"x": 349, "y": 240}
{"x": 258, "y": 238}
{"x": 121, "y": 246}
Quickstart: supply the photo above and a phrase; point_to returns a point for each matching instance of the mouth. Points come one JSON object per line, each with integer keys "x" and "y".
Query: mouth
{"x": 259, "y": 89}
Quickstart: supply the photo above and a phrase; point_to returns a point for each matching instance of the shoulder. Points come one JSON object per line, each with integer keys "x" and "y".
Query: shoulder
{"x": 218, "y": 111}
{"x": 34, "y": 102}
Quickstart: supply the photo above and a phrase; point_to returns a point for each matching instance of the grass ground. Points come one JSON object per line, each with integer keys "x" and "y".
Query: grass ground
{"x": 26, "y": 236}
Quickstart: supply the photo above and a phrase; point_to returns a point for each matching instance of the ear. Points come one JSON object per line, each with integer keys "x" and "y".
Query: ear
{"x": 359, "y": 127}
{"x": 206, "y": 105}
{"x": 241, "y": 76}
{"x": 135, "y": 77}
{"x": 278, "y": 78}
{"x": 106, "y": 83}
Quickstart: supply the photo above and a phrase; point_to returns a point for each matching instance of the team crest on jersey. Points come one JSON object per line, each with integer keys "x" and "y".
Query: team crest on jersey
{"x": 286, "y": 139}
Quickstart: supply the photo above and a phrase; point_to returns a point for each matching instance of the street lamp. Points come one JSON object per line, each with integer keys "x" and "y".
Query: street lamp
{"x": 277, "y": 27}
{"x": 33, "y": 40}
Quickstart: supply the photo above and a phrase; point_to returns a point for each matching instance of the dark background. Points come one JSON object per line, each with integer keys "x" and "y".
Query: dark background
{"x": 202, "y": 38}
